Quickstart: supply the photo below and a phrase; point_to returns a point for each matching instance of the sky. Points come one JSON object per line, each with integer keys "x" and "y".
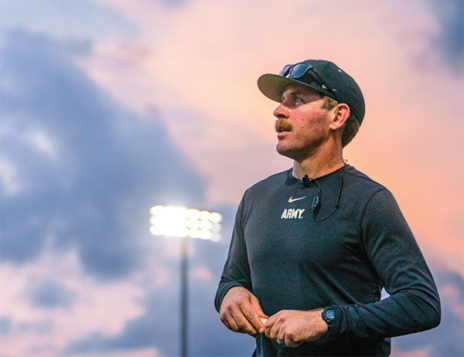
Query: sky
{"x": 109, "y": 107}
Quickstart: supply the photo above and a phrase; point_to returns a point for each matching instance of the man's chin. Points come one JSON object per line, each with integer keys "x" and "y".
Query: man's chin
{"x": 285, "y": 152}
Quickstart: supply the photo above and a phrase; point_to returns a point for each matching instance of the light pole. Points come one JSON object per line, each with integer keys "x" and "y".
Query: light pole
{"x": 182, "y": 222}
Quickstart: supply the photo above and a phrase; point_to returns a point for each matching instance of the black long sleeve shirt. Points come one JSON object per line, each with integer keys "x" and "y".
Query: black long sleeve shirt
{"x": 337, "y": 240}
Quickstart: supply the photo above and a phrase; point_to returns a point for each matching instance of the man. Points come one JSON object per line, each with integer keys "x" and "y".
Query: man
{"x": 313, "y": 247}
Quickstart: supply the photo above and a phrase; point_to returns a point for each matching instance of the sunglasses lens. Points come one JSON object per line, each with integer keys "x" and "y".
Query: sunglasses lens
{"x": 298, "y": 70}
{"x": 285, "y": 71}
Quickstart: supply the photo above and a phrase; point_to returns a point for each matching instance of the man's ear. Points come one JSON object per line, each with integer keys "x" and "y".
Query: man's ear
{"x": 340, "y": 116}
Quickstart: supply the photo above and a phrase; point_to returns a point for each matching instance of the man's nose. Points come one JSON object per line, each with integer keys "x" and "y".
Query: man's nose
{"x": 281, "y": 112}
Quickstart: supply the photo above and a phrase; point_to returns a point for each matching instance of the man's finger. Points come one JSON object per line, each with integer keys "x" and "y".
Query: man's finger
{"x": 243, "y": 323}
{"x": 254, "y": 319}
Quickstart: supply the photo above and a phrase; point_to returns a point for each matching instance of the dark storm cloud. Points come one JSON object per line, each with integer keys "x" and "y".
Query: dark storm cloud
{"x": 5, "y": 325}
{"x": 86, "y": 170}
{"x": 50, "y": 294}
{"x": 450, "y": 38}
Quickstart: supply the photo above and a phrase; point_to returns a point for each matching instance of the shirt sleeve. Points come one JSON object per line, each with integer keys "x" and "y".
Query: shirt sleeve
{"x": 236, "y": 270}
{"x": 413, "y": 303}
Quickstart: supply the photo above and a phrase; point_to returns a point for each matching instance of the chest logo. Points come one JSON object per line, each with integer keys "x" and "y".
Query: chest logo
{"x": 291, "y": 199}
{"x": 292, "y": 213}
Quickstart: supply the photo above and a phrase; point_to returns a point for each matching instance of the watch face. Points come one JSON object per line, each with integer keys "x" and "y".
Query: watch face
{"x": 330, "y": 314}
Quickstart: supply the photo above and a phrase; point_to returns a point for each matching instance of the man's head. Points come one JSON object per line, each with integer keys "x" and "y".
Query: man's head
{"x": 325, "y": 78}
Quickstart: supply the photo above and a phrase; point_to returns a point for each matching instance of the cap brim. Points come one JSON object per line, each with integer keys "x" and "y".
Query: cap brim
{"x": 273, "y": 85}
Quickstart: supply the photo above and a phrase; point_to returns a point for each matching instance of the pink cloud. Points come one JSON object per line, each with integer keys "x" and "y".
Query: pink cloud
{"x": 93, "y": 308}
{"x": 201, "y": 73}
{"x": 197, "y": 65}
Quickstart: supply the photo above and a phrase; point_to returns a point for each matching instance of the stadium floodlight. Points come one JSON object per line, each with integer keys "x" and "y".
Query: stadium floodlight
{"x": 179, "y": 221}
{"x": 184, "y": 223}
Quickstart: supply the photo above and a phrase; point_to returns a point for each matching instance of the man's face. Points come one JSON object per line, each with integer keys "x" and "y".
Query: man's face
{"x": 302, "y": 125}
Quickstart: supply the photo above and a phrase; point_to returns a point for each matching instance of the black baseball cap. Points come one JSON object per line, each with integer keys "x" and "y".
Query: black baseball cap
{"x": 322, "y": 76}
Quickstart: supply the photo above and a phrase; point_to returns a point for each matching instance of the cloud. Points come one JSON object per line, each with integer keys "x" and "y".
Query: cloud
{"x": 66, "y": 18}
{"x": 158, "y": 327}
{"x": 41, "y": 328}
{"x": 5, "y": 325}
{"x": 82, "y": 171}
{"x": 79, "y": 170}
{"x": 50, "y": 294}
{"x": 450, "y": 37}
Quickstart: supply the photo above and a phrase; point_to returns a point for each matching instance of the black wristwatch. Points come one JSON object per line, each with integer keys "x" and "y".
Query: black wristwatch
{"x": 329, "y": 316}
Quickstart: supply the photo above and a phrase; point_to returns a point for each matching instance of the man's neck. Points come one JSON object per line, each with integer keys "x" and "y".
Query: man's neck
{"x": 317, "y": 166}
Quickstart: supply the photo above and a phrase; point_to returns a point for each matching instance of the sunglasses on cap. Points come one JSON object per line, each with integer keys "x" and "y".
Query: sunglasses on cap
{"x": 298, "y": 70}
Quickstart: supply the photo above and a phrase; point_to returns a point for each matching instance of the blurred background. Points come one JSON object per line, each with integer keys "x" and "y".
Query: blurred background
{"x": 109, "y": 107}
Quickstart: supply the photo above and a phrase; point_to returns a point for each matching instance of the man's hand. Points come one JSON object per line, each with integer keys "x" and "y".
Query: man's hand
{"x": 240, "y": 311}
{"x": 292, "y": 327}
